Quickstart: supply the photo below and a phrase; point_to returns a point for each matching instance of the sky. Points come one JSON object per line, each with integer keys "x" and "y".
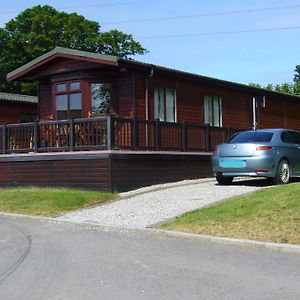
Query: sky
{"x": 240, "y": 41}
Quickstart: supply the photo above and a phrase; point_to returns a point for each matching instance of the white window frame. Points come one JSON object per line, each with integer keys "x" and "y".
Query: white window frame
{"x": 212, "y": 107}
{"x": 162, "y": 107}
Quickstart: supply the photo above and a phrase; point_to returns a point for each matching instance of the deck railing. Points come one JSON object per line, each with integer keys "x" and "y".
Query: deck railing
{"x": 106, "y": 133}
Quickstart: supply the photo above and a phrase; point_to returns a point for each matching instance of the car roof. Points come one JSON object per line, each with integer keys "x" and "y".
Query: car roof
{"x": 270, "y": 130}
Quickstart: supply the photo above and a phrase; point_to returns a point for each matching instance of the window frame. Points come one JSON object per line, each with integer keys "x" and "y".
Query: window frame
{"x": 212, "y": 110}
{"x": 68, "y": 92}
{"x": 162, "y": 112}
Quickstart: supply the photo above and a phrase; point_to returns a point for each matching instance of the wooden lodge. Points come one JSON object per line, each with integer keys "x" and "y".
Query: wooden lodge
{"x": 116, "y": 124}
{"x": 16, "y": 108}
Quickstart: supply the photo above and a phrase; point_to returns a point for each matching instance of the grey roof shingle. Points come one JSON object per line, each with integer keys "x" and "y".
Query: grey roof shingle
{"x": 18, "y": 98}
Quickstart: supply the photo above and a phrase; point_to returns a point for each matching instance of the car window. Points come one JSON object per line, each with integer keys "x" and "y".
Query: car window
{"x": 251, "y": 137}
{"x": 291, "y": 137}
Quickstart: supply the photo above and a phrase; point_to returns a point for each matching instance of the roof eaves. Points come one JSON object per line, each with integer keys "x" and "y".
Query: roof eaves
{"x": 60, "y": 51}
{"x": 215, "y": 80}
{"x": 18, "y": 98}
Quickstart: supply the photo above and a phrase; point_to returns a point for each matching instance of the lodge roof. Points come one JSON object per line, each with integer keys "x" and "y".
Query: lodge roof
{"x": 119, "y": 62}
{"x": 62, "y": 52}
{"x": 18, "y": 98}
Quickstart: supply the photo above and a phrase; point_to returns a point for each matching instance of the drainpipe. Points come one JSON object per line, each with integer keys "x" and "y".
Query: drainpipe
{"x": 254, "y": 112}
{"x": 147, "y": 102}
{"x": 147, "y": 93}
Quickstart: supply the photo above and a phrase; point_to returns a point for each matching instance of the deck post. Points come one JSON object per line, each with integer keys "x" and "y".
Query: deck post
{"x": 207, "y": 138}
{"x": 184, "y": 145}
{"x": 36, "y": 141}
{"x": 135, "y": 135}
{"x": 157, "y": 134}
{"x": 71, "y": 135}
{"x": 109, "y": 132}
{"x": 4, "y": 139}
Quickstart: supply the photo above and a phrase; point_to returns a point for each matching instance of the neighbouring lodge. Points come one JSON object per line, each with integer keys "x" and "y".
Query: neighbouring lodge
{"x": 15, "y": 108}
{"x": 115, "y": 124}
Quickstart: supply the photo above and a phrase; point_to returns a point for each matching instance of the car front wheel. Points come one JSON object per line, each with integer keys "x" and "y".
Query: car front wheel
{"x": 283, "y": 173}
{"x": 224, "y": 180}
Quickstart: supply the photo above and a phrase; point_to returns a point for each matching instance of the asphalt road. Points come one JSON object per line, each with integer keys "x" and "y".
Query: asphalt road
{"x": 46, "y": 260}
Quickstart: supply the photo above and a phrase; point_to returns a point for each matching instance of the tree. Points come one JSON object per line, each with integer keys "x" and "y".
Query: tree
{"x": 39, "y": 29}
{"x": 297, "y": 73}
{"x": 254, "y": 84}
{"x": 287, "y": 88}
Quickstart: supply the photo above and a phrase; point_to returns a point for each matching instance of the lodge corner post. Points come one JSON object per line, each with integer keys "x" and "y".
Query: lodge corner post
{"x": 109, "y": 132}
{"x": 135, "y": 134}
{"x": 207, "y": 138}
{"x": 4, "y": 138}
{"x": 71, "y": 135}
{"x": 36, "y": 137}
{"x": 157, "y": 135}
{"x": 184, "y": 140}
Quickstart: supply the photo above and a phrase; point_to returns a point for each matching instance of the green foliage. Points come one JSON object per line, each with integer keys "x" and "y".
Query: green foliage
{"x": 287, "y": 88}
{"x": 297, "y": 73}
{"x": 41, "y": 28}
{"x": 254, "y": 84}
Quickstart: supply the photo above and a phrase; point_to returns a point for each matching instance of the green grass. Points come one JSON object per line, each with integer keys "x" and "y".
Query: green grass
{"x": 271, "y": 215}
{"x": 49, "y": 201}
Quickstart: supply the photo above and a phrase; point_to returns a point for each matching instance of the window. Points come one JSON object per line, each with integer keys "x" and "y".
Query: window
{"x": 291, "y": 137}
{"x": 213, "y": 110}
{"x": 165, "y": 104}
{"x": 100, "y": 98}
{"x": 68, "y": 100}
{"x": 251, "y": 137}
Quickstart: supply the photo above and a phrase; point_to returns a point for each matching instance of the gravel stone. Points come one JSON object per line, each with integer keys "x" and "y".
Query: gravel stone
{"x": 144, "y": 207}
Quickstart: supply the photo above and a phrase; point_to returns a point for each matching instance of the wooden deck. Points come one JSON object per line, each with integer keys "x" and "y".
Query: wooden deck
{"x": 106, "y": 170}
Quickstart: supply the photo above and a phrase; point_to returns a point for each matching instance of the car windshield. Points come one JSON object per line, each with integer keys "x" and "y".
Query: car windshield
{"x": 251, "y": 137}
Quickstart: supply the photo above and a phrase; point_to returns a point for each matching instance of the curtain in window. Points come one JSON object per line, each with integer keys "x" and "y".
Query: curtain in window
{"x": 165, "y": 104}
{"x": 170, "y": 105}
{"x": 213, "y": 110}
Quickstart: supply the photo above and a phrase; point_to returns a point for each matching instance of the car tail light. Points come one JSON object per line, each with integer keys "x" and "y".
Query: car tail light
{"x": 263, "y": 148}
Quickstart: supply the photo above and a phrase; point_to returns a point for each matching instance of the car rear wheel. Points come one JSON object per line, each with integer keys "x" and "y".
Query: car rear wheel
{"x": 224, "y": 180}
{"x": 283, "y": 173}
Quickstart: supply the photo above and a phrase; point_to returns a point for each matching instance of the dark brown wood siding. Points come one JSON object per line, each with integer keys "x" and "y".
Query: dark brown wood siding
{"x": 280, "y": 113}
{"x": 12, "y": 112}
{"x": 126, "y": 95}
{"x": 108, "y": 172}
{"x": 63, "y": 65}
{"x": 190, "y": 99}
{"x": 273, "y": 114}
{"x": 45, "y": 101}
{"x": 134, "y": 171}
{"x": 140, "y": 98}
{"x": 83, "y": 173}
{"x": 235, "y": 109}
{"x": 189, "y": 96}
{"x": 292, "y": 118}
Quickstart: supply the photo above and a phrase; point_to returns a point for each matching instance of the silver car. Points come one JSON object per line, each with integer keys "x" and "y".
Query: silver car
{"x": 271, "y": 153}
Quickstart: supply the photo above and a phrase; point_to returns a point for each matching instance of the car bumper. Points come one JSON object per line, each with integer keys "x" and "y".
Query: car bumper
{"x": 244, "y": 166}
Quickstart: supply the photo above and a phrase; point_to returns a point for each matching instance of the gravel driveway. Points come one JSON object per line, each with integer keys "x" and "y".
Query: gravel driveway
{"x": 147, "y": 206}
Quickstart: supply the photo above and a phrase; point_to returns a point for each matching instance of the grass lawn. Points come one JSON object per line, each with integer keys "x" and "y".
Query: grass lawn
{"x": 48, "y": 201}
{"x": 271, "y": 215}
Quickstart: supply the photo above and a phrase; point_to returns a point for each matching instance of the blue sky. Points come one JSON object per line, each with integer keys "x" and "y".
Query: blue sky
{"x": 185, "y": 38}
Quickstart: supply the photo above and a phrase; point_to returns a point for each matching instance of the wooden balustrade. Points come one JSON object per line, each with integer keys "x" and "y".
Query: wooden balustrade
{"x": 110, "y": 133}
